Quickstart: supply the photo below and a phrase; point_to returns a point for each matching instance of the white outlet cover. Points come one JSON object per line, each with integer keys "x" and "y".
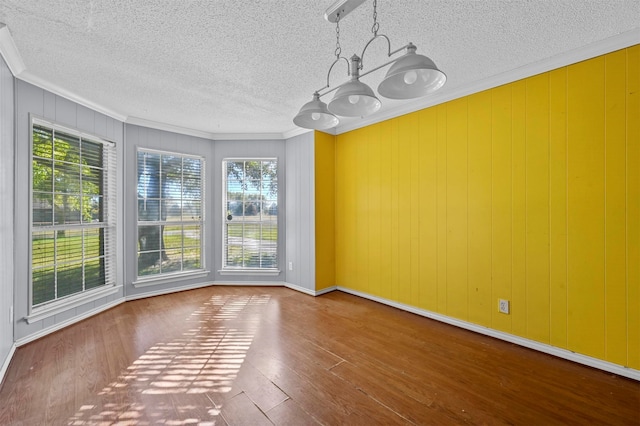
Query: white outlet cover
{"x": 503, "y": 306}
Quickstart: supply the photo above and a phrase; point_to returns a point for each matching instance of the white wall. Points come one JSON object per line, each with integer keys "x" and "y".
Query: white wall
{"x": 33, "y": 101}
{"x": 6, "y": 212}
{"x": 300, "y": 208}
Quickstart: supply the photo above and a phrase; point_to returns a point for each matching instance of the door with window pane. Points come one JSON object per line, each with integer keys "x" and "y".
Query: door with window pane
{"x": 251, "y": 214}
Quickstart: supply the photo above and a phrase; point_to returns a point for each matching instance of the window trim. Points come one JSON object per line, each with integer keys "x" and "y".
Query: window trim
{"x": 163, "y": 278}
{"x": 170, "y": 277}
{"x": 237, "y": 271}
{"x": 250, "y": 271}
{"x": 56, "y": 306}
{"x": 72, "y": 301}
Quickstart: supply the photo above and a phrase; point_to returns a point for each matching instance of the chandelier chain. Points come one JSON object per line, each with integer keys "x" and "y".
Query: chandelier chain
{"x": 338, "y": 48}
{"x": 376, "y": 25}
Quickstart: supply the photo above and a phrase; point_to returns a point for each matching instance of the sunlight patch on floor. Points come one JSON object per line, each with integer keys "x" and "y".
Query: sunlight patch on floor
{"x": 169, "y": 383}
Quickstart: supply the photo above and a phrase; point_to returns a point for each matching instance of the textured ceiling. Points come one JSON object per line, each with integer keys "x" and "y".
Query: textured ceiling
{"x": 229, "y": 66}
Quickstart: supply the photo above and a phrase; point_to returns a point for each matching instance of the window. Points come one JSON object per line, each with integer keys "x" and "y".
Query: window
{"x": 73, "y": 213}
{"x": 170, "y": 212}
{"x": 251, "y": 214}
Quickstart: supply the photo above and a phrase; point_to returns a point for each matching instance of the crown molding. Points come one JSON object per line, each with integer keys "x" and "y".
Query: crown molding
{"x": 248, "y": 136}
{"x": 611, "y": 44}
{"x": 210, "y": 135}
{"x": 143, "y": 122}
{"x": 295, "y": 132}
{"x": 9, "y": 51}
{"x": 11, "y": 55}
{"x": 28, "y": 77}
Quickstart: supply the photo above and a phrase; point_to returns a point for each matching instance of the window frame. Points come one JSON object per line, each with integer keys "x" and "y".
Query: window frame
{"x": 109, "y": 224}
{"x": 160, "y": 278}
{"x": 234, "y": 270}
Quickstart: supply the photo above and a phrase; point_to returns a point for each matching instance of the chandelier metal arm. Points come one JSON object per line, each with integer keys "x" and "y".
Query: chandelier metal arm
{"x": 329, "y": 74}
{"x": 389, "y": 54}
{"x": 371, "y": 41}
{"x": 321, "y": 94}
{"x": 377, "y": 68}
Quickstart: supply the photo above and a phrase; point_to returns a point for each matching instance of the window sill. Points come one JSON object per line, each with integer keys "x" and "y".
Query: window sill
{"x": 165, "y": 278}
{"x": 252, "y": 272}
{"x": 72, "y": 302}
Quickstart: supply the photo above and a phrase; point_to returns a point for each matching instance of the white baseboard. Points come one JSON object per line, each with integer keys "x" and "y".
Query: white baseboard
{"x": 308, "y": 291}
{"x": 521, "y": 341}
{"x": 300, "y": 289}
{"x": 229, "y": 283}
{"x": 102, "y": 308}
{"x": 326, "y": 290}
{"x": 70, "y": 321}
{"x": 252, "y": 283}
{"x": 531, "y": 344}
{"x": 7, "y": 361}
{"x": 166, "y": 291}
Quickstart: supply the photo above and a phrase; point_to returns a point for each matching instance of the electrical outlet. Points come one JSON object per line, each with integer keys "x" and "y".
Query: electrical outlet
{"x": 291, "y": 266}
{"x": 503, "y": 306}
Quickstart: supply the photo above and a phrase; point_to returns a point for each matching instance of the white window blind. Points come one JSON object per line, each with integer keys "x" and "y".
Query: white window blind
{"x": 73, "y": 214}
{"x": 170, "y": 212}
{"x": 251, "y": 214}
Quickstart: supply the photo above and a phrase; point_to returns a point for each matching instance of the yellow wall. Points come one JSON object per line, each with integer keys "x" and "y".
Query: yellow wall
{"x": 324, "y": 157}
{"x": 528, "y": 192}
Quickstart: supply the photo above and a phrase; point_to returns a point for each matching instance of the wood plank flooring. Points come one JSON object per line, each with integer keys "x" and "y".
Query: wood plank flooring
{"x": 262, "y": 356}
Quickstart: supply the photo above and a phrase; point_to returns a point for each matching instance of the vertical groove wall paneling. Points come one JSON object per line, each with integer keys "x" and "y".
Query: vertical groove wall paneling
{"x": 558, "y": 208}
{"x": 457, "y": 181}
{"x": 7, "y": 185}
{"x": 441, "y": 203}
{"x": 345, "y": 212}
{"x": 537, "y": 207}
{"x": 301, "y": 215}
{"x": 415, "y": 254}
{"x": 428, "y": 292}
{"x": 479, "y": 214}
{"x": 406, "y": 129}
{"x": 585, "y": 123}
{"x": 614, "y": 252}
{"x": 501, "y": 204}
{"x": 395, "y": 211}
{"x": 384, "y": 136}
{"x": 374, "y": 206}
{"x": 518, "y": 210}
{"x": 528, "y": 192}
{"x": 633, "y": 206}
{"x": 324, "y": 170}
{"x": 362, "y": 167}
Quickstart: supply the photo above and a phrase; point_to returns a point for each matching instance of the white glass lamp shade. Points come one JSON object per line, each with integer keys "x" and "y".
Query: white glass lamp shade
{"x": 411, "y": 76}
{"x": 315, "y": 115}
{"x": 354, "y": 99}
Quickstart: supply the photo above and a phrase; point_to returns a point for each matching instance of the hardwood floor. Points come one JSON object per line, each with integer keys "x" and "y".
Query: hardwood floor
{"x": 254, "y": 356}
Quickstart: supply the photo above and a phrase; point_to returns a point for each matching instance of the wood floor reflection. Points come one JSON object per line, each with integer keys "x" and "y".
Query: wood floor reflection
{"x": 252, "y": 356}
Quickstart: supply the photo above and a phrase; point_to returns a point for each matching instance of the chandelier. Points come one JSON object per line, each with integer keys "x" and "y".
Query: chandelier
{"x": 410, "y": 76}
